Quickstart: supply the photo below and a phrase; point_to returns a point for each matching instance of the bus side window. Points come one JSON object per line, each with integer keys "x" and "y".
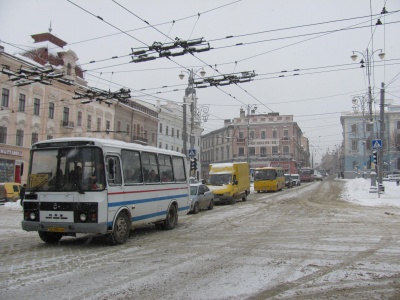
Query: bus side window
{"x": 114, "y": 170}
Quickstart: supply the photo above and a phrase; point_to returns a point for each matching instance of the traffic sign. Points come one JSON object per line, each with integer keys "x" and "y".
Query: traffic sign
{"x": 376, "y": 144}
{"x": 192, "y": 152}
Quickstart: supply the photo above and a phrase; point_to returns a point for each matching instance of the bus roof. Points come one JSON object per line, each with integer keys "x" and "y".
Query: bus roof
{"x": 106, "y": 143}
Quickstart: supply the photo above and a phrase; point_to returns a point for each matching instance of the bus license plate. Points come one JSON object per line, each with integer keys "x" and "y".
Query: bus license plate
{"x": 56, "y": 229}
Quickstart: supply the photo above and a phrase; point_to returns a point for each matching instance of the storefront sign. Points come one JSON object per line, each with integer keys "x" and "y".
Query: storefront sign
{"x": 11, "y": 152}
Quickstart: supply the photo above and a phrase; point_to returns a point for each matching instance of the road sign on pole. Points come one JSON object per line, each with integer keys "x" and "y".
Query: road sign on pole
{"x": 376, "y": 144}
{"x": 192, "y": 152}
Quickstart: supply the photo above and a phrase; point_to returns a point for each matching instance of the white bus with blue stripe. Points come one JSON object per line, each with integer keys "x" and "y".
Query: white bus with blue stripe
{"x": 98, "y": 186}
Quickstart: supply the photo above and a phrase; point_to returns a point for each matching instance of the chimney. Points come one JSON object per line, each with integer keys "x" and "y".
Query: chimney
{"x": 242, "y": 113}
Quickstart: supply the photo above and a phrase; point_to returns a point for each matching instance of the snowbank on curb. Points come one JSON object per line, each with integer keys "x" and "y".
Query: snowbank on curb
{"x": 357, "y": 191}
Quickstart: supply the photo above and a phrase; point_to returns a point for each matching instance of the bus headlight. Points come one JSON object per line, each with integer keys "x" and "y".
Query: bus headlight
{"x": 82, "y": 217}
{"x": 32, "y": 216}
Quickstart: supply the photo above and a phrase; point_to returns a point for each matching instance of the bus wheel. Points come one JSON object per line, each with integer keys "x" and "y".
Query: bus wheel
{"x": 172, "y": 218}
{"x": 121, "y": 230}
{"x": 50, "y": 237}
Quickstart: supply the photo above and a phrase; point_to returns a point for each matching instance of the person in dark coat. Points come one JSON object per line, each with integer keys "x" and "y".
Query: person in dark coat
{"x": 22, "y": 193}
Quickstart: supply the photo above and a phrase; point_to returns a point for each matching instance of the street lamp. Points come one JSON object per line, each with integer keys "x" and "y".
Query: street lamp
{"x": 367, "y": 61}
{"x": 249, "y": 107}
{"x": 189, "y": 91}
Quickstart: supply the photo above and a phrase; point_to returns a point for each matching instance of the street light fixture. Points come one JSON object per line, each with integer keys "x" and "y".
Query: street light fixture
{"x": 189, "y": 91}
{"x": 249, "y": 107}
{"x": 367, "y": 60}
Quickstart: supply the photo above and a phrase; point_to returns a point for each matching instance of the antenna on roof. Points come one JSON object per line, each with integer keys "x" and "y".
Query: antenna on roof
{"x": 50, "y": 27}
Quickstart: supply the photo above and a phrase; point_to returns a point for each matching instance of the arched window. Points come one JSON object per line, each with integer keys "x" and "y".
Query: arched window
{"x": 68, "y": 69}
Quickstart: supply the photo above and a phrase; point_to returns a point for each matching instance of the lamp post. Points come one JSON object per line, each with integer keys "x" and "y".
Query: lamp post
{"x": 190, "y": 91}
{"x": 368, "y": 57}
{"x": 249, "y": 107}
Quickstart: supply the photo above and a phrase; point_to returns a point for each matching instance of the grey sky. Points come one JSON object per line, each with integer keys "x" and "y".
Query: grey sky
{"x": 316, "y": 37}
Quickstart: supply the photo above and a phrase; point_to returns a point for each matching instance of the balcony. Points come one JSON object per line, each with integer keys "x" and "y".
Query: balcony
{"x": 286, "y": 138}
{"x": 241, "y": 140}
{"x": 67, "y": 124}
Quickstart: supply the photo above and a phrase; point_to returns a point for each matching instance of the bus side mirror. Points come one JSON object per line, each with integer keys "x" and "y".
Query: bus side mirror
{"x": 235, "y": 182}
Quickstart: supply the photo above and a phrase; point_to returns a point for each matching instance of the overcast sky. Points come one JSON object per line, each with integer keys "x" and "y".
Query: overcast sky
{"x": 268, "y": 36}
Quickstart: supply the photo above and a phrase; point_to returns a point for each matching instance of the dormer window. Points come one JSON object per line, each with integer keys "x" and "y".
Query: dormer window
{"x": 69, "y": 69}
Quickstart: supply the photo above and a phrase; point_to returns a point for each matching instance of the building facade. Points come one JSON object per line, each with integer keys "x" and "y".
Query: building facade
{"x": 261, "y": 139}
{"x": 358, "y": 136}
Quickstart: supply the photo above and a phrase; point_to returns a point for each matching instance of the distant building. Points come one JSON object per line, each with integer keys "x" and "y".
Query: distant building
{"x": 261, "y": 139}
{"x": 359, "y": 133}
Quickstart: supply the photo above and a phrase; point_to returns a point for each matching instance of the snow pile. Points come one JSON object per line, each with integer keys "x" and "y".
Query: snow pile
{"x": 357, "y": 191}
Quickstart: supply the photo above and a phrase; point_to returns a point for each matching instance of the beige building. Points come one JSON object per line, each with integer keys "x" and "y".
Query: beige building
{"x": 261, "y": 139}
{"x": 36, "y": 110}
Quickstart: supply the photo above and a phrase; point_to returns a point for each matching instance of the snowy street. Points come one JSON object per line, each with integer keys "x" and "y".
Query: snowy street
{"x": 322, "y": 240}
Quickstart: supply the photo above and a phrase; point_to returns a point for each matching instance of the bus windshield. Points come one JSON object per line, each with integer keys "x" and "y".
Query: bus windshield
{"x": 265, "y": 175}
{"x": 67, "y": 169}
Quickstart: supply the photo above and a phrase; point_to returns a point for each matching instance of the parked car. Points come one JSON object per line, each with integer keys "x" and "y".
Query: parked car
{"x": 318, "y": 177}
{"x": 9, "y": 191}
{"x": 201, "y": 198}
{"x": 296, "y": 179}
{"x": 288, "y": 181}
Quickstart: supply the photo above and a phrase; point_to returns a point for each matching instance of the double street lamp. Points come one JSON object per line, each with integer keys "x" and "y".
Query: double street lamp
{"x": 367, "y": 57}
{"x": 190, "y": 90}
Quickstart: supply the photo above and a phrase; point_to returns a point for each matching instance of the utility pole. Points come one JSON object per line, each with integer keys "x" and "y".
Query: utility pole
{"x": 381, "y": 133}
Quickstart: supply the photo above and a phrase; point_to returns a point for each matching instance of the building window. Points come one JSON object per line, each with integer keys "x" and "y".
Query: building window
{"x": 51, "y": 110}
{"x": 398, "y": 124}
{"x": 166, "y": 146}
{"x": 89, "y": 122}
{"x": 370, "y": 127}
{"x": 118, "y": 126}
{"x": 252, "y": 135}
{"x": 128, "y": 129}
{"x": 252, "y": 151}
{"x": 353, "y": 128}
{"x": 263, "y": 135}
{"x": 172, "y": 132}
{"x": 275, "y": 150}
{"x": 263, "y": 151}
{"x": 285, "y": 150}
{"x": 98, "y": 124}
{"x": 286, "y": 133}
{"x": 69, "y": 67}
{"x": 108, "y": 124}
{"x": 160, "y": 145}
{"x": 5, "y": 97}
{"x": 3, "y": 135}
{"x": 241, "y": 151}
{"x": 274, "y": 134}
{"x": 20, "y": 138}
{"x": 21, "y": 103}
{"x": 35, "y": 137}
{"x": 222, "y": 153}
{"x": 79, "y": 121}
{"x": 160, "y": 127}
{"x": 227, "y": 152}
{"x": 153, "y": 137}
{"x": 36, "y": 106}
{"x": 354, "y": 145}
{"x": 66, "y": 116}
{"x": 166, "y": 130}
{"x": 177, "y": 134}
{"x": 49, "y": 137}
{"x": 241, "y": 135}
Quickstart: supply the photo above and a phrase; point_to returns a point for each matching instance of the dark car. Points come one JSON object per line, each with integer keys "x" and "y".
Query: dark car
{"x": 288, "y": 181}
{"x": 201, "y": 198}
